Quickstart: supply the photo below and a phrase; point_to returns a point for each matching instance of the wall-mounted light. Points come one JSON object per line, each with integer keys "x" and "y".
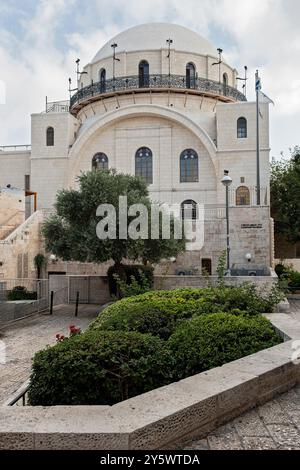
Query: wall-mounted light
{"x": 248, "y": 257}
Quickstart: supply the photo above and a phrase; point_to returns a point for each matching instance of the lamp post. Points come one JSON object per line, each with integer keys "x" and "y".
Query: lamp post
{"x": 226, "y": 181}
{"x": 169, "y": 43}
{"x": 114, "y": 46}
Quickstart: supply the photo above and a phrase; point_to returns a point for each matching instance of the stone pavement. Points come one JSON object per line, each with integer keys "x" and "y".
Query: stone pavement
{"x": 24, "y": 337}
{"x": 274, "y": 425}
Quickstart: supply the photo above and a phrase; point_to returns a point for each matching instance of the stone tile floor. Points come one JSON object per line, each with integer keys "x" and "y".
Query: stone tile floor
{"x": 274, "y": 425}
{"x": 24, "y": 337}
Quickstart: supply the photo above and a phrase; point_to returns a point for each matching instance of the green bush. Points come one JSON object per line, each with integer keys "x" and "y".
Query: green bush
{"x": 213, "y": 340}
{"x": 280, "y": 269}
{"x": 246, "y": 297}
{"x": 294, "y": 281}
{"x": 160, "y": 312}
{"x": 159, "y": 319}
{"x": 126, "y": 273}
{"x": 99, "y": 367}
{"x": 136, "y": 287}
{"x": 21, "y": 293}
{"x": 289, "y": 275}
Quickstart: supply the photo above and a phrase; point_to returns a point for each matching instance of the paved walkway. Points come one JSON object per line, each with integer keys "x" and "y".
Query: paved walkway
{"x": 24, "y": 337}
{"x": 274, "y": 425}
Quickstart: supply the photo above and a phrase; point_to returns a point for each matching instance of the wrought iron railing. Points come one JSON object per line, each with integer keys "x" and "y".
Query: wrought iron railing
{"x": 155, "y": 81}
{"x": 20, "y": 396}
{"x": 57, "y": 106}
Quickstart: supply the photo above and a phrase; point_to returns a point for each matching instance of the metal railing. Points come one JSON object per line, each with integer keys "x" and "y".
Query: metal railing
{"x": 19, "y": 395}
{"x": 57, "y": 106}
{"x": 11, "y": 148}
{"x": 136, "y": 82}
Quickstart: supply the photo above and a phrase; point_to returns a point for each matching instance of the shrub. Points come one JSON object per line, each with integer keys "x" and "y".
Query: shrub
{"x": 159, "y": 319}
{"x": 245, "y": 297}
{"x": 149, "y": 314}
{"x": 125, "y": 273}
{"x": 160, "y": 312}
{"x": 294, "y": 281}
{"x": 21, "y": 293}
{"x": 136, "y": 286}
{"x": 289, "y": 276}
{"x": 212, "y": 340}
{"x": 98, "y": 367}
{"x": 280, "y": 269}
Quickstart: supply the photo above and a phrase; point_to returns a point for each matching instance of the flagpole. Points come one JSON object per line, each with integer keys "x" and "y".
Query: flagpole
{"x": 257, "y": 88}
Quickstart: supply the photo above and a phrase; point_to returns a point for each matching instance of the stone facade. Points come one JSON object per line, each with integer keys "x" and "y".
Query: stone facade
{"x": 168, "y": 121}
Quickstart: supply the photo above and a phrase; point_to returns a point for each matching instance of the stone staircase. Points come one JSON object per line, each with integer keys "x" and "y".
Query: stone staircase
{"x": 19, "y": 246}
{"x": 10, "y": 224}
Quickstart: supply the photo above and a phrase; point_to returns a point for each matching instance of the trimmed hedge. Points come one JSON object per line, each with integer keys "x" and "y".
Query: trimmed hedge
{"x": 125, "y": 272}
{"x": 160, "y": 312}
{"x": 140, "y": 343}
{"x": 245, "y": 297}
{"x": 213, "y": 340}
{"x": 99, "y": 368}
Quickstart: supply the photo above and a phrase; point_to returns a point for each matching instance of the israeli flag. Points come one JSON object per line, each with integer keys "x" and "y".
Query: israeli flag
{"x": 257, "y": 83}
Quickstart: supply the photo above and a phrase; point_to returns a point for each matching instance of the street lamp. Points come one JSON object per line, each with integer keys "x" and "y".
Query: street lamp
{"x": 226, "y": 181}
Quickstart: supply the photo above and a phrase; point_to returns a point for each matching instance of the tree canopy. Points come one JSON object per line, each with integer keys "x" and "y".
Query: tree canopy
{"x": 285, "y": 196}
{"x": 71, "y": 235}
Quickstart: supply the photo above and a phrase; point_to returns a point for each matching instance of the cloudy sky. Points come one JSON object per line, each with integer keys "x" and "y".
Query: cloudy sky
{"x": 41, "y": 39}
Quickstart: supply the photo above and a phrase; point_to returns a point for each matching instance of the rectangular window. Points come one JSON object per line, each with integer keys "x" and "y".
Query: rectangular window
{"x": 27, "y": 182}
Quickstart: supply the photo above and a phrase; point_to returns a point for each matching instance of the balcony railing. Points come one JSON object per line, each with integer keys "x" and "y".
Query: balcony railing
{"x": 136, "y": 82}
{"x": 13, "y": 148}
{"x": 57, "y": 107}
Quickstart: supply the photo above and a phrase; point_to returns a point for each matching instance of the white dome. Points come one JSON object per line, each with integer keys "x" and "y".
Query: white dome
{"x": 152, "y": 36}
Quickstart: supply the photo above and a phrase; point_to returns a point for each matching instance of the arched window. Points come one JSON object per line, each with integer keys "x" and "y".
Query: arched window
{"x": 225, "y": 83}
{"x": 241, "y": 128}
{"x": 50, "y": 137}
{"x": 189, "y": 210}
{"x": 100, "y": 161}
{"x": 143, "y": 164}
{"x": 102, "y": 79}
{"x": 242, "y": 196}
{"x": 143, "y": 74}
{"x": 189, "y": 166}
{"x": 190, "y": 75}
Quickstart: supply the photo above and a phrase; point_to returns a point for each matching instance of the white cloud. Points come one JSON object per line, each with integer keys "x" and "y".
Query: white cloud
{"x": 257, "y": 33}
